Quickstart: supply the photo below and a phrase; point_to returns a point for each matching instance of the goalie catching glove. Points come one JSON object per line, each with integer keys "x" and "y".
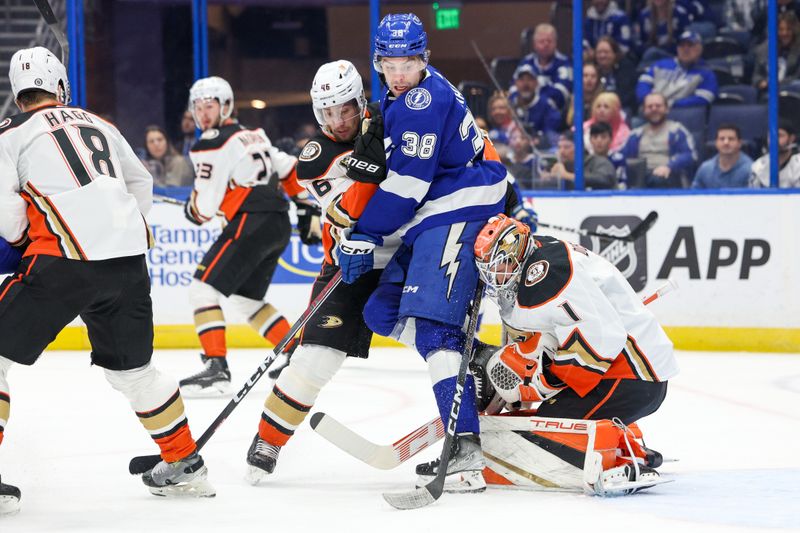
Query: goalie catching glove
{"x": 308, "y": 219}
{"x": 517, "y": 372}
{"x": 367, "y": 163}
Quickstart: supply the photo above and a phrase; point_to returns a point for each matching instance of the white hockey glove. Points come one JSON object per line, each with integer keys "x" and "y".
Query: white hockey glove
{"x": 516, "y": 372}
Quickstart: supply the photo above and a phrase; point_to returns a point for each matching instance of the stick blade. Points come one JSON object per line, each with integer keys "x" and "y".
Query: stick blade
{"x": 141, "y": 464}
{"x": 352, "y": 443}
{"x": 413, "y": 499}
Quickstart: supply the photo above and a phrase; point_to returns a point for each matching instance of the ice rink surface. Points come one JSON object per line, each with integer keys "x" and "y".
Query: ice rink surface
{"x": 732, "y": 419}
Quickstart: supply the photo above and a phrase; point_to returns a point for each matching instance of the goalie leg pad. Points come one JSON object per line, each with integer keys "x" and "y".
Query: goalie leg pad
{"x": 5, "y": 395}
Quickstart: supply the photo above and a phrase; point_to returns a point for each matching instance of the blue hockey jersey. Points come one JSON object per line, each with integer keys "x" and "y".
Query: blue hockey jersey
{"x": 435, "y": 171}
{"x": 555, "y": 78}
{"x": 613, "y": 22}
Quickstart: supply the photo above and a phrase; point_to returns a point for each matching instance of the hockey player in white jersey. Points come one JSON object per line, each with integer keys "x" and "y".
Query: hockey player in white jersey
{"x": 242, "y": 177}
{"x": 74, "y": 196}
{"x": 583, "y": 343}
{"x": 338, "y": 329}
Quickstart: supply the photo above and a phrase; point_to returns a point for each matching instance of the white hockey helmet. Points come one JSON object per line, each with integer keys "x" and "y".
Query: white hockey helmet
{"x": 38, "y": 68}
{"x": 336, "y": 83}
{"x": 215, "y": 88}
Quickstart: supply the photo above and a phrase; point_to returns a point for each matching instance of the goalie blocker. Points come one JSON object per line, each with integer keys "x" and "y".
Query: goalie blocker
{"x": 597, "y": 457}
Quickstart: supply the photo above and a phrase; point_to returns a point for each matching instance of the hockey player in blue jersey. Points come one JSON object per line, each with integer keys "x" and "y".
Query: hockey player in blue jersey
{"x": 437, "y": 195}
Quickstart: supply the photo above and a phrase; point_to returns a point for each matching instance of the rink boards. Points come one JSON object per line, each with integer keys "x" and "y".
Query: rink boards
{"x": 735, "y": 258}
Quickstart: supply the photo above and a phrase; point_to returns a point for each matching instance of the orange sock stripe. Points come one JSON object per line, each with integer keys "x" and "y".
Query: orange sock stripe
{"x": 1, "y": 434}
{"x": 272, "y": 432}
{"x": 177, "y": 445}
{"x": 277, "y": 331}
{"x": 213, "y": 342}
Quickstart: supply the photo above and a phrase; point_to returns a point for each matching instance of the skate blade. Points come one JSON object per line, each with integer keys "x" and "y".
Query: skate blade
{"x": 199, "y": 488}
{"x": 627, "y": 488}
{"x": 220, "y": 390}
{"x": 255, "y": 475}
{"x": 9, "y": 505}
{"x": 459, "y": 483}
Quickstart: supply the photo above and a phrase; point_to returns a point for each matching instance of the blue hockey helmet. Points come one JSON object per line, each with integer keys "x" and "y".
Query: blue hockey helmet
{"x": 400, "y": 35}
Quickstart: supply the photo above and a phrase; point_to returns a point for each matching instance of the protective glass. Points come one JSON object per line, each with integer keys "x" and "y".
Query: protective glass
{"x": 334, "y": 116}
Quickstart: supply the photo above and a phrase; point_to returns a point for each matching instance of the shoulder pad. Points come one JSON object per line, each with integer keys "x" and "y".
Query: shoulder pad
{"x": 17, "y": 120}
{"x": 317, "y": 155}
{"x": 545, "y": 273}
{"x": 214, "y": 138}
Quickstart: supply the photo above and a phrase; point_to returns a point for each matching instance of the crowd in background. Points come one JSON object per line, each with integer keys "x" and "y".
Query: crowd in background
{"x": 675, "y": 96}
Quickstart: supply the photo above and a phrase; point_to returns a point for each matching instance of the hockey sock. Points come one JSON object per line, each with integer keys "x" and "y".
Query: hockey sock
{"x": 443, "y": 369}
{"x": 5, "y": 395}
{"x": 159, "y": 406}
{"x": 210, "y": 326}
{"x": 296, "y": 390}
{"x": 270, "y": 324}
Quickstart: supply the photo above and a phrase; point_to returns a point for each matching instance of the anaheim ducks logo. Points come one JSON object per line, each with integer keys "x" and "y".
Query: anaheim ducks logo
{"x": 330, "y": 321}
{"x": 311, "y": 151}
{"x": 536, "y": 273}
{"x": 5, "y": 123}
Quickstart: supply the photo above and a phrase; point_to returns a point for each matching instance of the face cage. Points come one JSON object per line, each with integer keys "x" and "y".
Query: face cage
{"x": 488, "y": 272}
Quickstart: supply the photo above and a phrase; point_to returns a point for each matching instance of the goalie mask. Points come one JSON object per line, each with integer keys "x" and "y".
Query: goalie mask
{"x": 38, "y": 68}
{"x": 335, "y": 85}
{"x": 212, "y": 88}
{"x": 500, "y": 251}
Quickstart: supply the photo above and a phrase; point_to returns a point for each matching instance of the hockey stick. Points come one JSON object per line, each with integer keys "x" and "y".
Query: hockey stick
{"x": 52, "y": 21}
{"x": 389, "y": 456}
{"x": 431, "y": 492}
{"x": 634, "y": 235}
{"x": 143, "y": 463}
{"x": 384, "y": 457}
{"x": 168, "y": 200}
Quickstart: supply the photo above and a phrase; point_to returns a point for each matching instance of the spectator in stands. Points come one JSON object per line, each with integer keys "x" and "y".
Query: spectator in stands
{"x": 730, "y": 168}
{"x": 660, "y": 23}
{"x": 701, "y": 17}
{"x": 607, "y": 108}
{"x": 521, "y": 160}
{"x": 788, "y": 53}
{"x": 533, "y": 107}
{"x": 168, "y": 167}
{"x": 481, "y": 123}
{"x": 186, "y": 140}
{"x": 301, "y": 136}
{"x": 500, "y": 118}
{"x": 606, "y": 18}
{"x": 600, "y": 142}
{"x": 738, "y": 15}
{"x": 617, "y": 72}
{"x": 788, "y": 161}
{"x": 666, "y": 147}
{"x": 591, "y": 88}
{"x": 598, "y": 172}
{"x": 552, "y": 68}
{"x": 684, "y": 80}
{"x": 760, "y": 18}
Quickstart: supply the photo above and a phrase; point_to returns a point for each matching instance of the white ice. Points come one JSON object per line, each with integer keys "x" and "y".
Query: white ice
{"x": 732, "y": 419}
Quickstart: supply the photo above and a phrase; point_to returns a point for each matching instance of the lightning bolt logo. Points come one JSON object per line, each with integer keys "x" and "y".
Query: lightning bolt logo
{"x": 450, "y": 254}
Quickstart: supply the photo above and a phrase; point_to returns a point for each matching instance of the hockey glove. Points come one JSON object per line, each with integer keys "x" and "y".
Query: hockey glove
{"x": 526, "y": 215}
{"x": 356, "y": 255}
{"x": 367, "y": 163}
{"x": 308, "y": 221}
{"x": 9, "y": 258}
{"x": 516, "y": 373}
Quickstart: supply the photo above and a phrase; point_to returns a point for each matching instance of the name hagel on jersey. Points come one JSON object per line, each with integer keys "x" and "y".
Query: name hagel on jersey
{"x": 321, "y": 170}
{"x": 54, "y": 162}
{"x": 592, "y": 323}
{"x": 238, "y": 169}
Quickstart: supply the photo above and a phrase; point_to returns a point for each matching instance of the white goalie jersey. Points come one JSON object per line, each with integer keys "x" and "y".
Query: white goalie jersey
{"x": 71, "y": 183}
{"x": 593, "y": 324}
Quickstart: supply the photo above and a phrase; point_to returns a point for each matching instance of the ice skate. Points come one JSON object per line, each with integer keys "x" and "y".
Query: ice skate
{"x": 261, "y": 458}
{"x": 183, "y": 478}
{"x": 214, "y": 381}
{"x": 9, "y": 499}
{"x": 464, "y": 470}
{"x": 626, "y": 479}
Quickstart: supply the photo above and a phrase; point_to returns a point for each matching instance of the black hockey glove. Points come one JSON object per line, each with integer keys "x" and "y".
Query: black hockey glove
{"x": 367, "y": 163}
{"x": 308, "y": 222}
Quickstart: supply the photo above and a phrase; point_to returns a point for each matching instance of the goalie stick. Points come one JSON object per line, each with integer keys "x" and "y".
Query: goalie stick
{"x": 431, "y": 492}
{"x": 141, "y": 464}
{"x": 635, "y": 234}
{"x": 389, "y": 456}
{"x": 52, "y": 21}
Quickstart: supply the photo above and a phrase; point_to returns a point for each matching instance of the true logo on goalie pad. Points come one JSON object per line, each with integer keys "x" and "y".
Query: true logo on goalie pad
{"x": 536, "y": 273}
